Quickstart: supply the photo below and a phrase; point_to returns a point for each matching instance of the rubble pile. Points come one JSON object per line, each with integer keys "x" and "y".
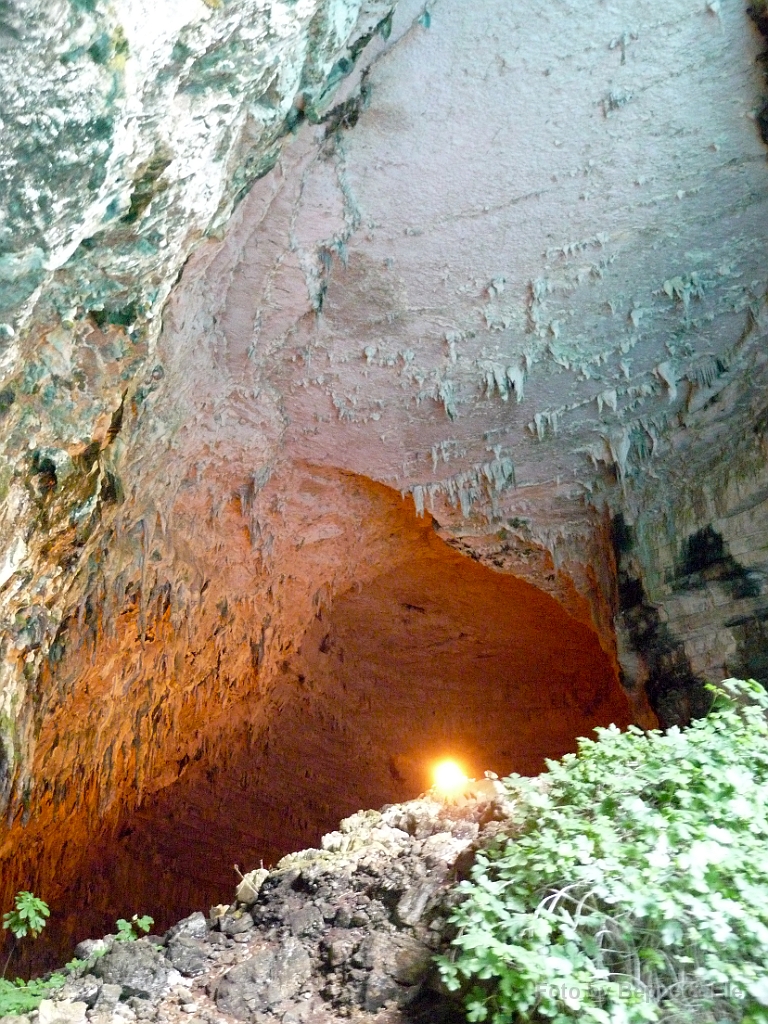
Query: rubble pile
{"x": 347, "y": 931}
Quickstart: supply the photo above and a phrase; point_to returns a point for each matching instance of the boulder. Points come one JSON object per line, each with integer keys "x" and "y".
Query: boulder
{"x": 272, "y": 975}
{"x": 193, "y": 927}
{"x": 235, "y": 922}
{"x": 188, "y": 955}
{"x": 248, "y": 890}
{"x": 63, "y": 1012}
{"x": 138, "y": 967}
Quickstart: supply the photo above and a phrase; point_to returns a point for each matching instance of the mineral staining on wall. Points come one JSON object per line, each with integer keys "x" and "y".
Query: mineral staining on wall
{"x": 531, "y": 314}
{"x": 129, "y": 133}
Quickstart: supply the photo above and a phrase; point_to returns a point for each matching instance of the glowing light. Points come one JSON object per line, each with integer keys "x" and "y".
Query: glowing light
{"x": 449, "y": 776}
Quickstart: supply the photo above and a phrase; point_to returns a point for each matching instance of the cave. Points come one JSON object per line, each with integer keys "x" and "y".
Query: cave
{"x": 379, "y": 381}
{"x": 425, "y": 654}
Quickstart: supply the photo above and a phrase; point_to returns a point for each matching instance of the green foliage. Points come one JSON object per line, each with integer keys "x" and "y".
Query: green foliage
{"x": 128, "y": 931}
{"x": 636, "y": 888}
{"x": 28, "y": 917}
{"x": 24, "y": 996}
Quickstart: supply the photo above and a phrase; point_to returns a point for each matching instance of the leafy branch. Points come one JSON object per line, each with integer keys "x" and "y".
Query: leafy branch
{"x": 636, "y": 886}
{"x": 28, "y": 917}
{"x": 128, "y": 931}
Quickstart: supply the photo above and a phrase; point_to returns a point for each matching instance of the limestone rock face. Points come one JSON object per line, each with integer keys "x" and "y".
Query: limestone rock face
{"x": 376, "y": 383}
{"x": 128, "y": 134}
{"x": 110, "y": 110}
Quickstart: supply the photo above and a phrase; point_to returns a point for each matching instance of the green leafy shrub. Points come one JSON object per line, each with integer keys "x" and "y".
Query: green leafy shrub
{"x": 636, "y": 887}
{"x": 24, "y": 996}
{"x": 128, "y": 931}
{"x": 28, "y": 916}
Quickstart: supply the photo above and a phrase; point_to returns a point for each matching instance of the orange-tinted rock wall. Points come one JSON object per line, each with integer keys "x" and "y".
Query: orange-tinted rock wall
{"x": 172, "y": 747}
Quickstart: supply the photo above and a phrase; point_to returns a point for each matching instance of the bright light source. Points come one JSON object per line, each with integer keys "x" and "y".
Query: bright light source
{"x": 449, "y": 776}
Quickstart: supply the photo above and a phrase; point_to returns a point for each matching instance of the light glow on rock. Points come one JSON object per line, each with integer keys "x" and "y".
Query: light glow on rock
{"x": 449, "y": 776}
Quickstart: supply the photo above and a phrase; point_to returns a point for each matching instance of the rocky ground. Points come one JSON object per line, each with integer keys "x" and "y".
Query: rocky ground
{"x": 347, "y": 931}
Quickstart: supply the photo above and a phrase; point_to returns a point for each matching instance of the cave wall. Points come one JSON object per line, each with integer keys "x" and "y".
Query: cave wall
{"x": 128, "y": 136}
{"x": 285, "y": 286}
{"x": 172, "y": 746}
{"x": 692, "y": 583}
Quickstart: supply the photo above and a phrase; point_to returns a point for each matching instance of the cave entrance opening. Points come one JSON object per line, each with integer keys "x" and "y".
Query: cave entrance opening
{"x": 433, "y": 655}
{"x": 419, "y": 653}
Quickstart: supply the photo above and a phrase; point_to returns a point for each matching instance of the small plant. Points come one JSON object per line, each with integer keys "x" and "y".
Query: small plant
{"x": 24, "y": 996}
{"x": 27, "y": 918}
{"x": 128, "y": 931}
{"x": 636, "y": 886}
